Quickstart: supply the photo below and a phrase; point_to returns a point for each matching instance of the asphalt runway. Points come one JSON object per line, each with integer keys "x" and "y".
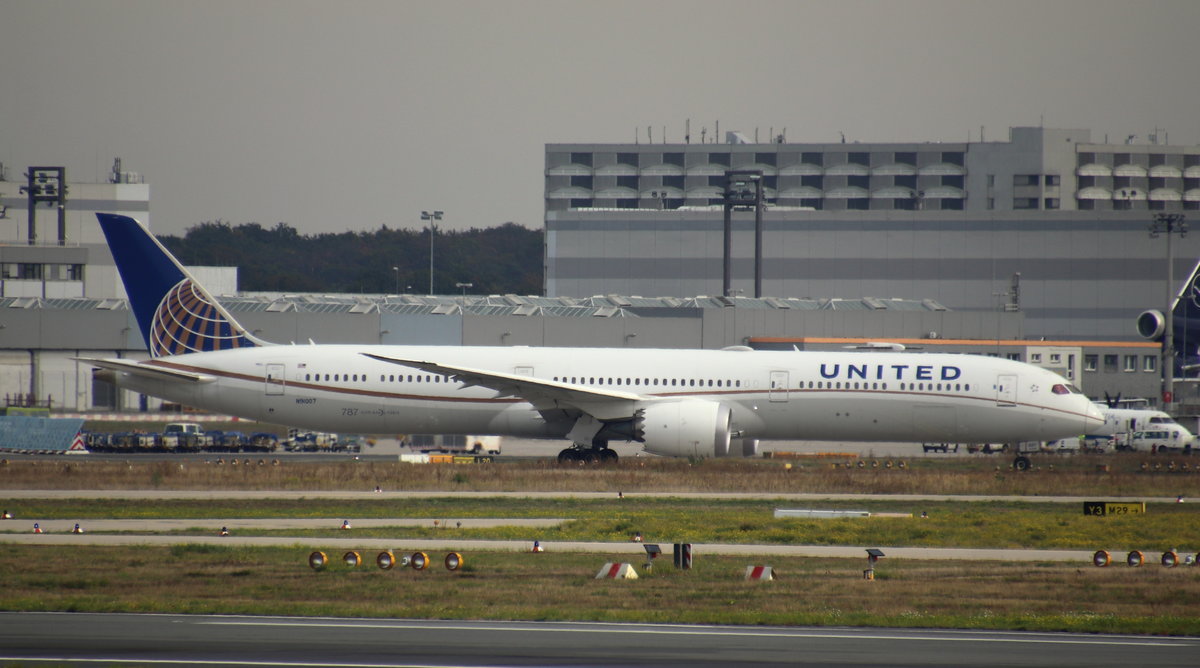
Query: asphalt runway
{"x": 203, "y": 640}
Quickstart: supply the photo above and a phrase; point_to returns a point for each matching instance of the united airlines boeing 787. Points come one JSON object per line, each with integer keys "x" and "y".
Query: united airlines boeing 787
{"x": 702, "y": 403}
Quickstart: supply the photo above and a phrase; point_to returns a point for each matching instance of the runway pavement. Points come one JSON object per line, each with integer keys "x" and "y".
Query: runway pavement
{"x": 205, "y": 640}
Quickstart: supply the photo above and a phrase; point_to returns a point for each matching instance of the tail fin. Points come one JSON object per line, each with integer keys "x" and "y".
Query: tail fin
{"x": 1185, "y": 310}
{"x": 175, "y": 313}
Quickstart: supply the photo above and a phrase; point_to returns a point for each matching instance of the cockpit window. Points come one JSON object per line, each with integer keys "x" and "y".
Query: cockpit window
{"x": 1060, "y": 388}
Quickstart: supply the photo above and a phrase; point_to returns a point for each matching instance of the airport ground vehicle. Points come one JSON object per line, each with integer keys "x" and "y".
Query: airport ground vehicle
{"x": 453, "y": 444}
{"x": 180, "y": 437}
{"x": 1161, "y": 438}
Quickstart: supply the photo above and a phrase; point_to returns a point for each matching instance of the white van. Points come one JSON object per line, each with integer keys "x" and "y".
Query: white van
{"x": 1170, "y": 438}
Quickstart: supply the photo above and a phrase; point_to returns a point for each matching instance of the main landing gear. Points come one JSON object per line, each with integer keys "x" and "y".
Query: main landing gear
{"x": 597, "y": 452}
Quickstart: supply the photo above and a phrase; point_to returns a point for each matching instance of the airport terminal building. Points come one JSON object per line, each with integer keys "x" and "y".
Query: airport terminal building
{"x": 1049, "y": 223}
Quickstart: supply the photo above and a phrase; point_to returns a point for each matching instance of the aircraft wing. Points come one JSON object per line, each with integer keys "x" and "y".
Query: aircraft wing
{"x": 545, "y": 395}
{"x": 146, "y": 370}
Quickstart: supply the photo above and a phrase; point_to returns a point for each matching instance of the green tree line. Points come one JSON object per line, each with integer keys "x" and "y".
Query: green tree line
{"x": 496, "y": 260}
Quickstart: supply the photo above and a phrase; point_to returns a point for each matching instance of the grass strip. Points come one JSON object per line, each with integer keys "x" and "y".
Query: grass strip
{"x": 205, "y": 579}
{"x": 1163, "y": 527}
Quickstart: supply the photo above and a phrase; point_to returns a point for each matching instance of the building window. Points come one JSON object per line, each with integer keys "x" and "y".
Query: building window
{"x": 581, "y": 203}
{"x": 953, "y": 157}
{"x": 1035, "y": 358}
{"x": 1051, "y": 203}
{"x": 952, "y": 204}
{"x": 1131, "y": 363}
{"x": 1149, "y": 363}
{"x": 1055, "y": 358}
{"x": 673, "y": 181}
{"x": 858, "y": 203}
{"x": 581, "y": 182}
{"x": 991, "y": 180}
{"x": 1052, "y": 179}
{"x": 860, "y": 158}
{"x": 1110, "y": 363}
{"x": 1025, "y": 179}
{"x": 1090, "y": 362}
{"x": 1025, "y": 202}
{"x": 628, "y": 159}
{"x": 991, "y": 203}
{"x": 582, "y": 158}
{"x": 673, "y": 159}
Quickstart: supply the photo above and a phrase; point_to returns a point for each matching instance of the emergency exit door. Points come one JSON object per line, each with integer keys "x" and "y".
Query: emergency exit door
{"x": 274, "y": 381}
{"x": 778, "y": 386}
{"x": 1006, "y": 390}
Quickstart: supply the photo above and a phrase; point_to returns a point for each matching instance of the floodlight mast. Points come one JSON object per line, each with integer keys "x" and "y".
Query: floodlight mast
{"x": 432, "y": 217}
{"x": 738, "y": 194}
{"x": 1169, "y": 224}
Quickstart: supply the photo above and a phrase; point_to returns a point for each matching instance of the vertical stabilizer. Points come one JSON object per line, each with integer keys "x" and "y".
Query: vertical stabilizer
{"x": 175, "y": 313}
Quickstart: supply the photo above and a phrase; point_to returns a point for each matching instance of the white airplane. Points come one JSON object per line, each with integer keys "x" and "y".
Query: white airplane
{"x": 1128, "y": 427}
{"x": 682, "y": 403}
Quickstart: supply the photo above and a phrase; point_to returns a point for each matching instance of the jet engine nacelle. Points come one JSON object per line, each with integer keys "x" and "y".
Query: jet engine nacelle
{"x": 1152, "y": 325}
{"x": 688, "y": 428}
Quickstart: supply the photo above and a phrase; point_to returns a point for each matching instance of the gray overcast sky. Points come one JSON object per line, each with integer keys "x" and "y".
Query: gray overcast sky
{"x": 350, "y": 115}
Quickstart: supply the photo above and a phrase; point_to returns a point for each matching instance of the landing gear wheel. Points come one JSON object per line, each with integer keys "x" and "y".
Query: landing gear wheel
{"x": 568, "y": 456}
{"x": 608, "y": 456}
{"x": 1022, "y": 463}
{"x": 589, "y": 456}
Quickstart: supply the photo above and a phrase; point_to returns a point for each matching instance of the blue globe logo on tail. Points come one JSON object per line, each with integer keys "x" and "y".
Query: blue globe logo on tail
{"x": 174, "y": 313}
{"x": 187, "y": 322}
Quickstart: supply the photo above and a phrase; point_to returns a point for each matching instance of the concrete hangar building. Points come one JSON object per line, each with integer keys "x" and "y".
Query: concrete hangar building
{"x": 1048, "y": 225}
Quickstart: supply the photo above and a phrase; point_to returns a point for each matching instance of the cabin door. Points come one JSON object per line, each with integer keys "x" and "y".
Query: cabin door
{"x": 1006, "y": 390}
{"x": 275, "y": 380}
{"x": 778, "y": 386}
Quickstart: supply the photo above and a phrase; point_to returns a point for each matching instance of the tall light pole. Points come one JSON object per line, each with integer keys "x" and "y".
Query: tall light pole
{"x": 1169, "y": 224}
{"x": 463, "y": 287}
{"x": 431, "y": 216}
{"x": 397, "y": 271}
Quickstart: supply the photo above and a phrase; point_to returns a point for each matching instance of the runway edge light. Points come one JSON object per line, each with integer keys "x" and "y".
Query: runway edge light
{"x": 317, "y": 560}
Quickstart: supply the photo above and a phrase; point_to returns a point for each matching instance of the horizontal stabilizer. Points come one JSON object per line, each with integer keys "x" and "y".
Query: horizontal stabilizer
{"x": 146, "y": 370}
